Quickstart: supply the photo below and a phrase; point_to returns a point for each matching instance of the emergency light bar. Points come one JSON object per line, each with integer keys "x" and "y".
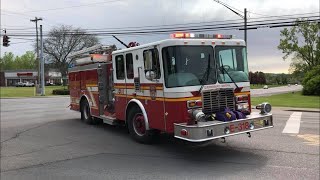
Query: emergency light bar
{"x": 200, "y": 36}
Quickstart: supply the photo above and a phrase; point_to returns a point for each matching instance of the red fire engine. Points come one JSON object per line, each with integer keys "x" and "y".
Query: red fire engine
{"x": 187, "y": 86}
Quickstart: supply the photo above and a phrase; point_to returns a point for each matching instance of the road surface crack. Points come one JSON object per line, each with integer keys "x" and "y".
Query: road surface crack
{"x": 38, "y": 150}
{"x": 24, "y": 131}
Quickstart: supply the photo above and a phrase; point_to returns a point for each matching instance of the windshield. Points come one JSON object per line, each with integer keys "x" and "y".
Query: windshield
{"x": 233, "y": 60}
{"x": 188, "y": 65}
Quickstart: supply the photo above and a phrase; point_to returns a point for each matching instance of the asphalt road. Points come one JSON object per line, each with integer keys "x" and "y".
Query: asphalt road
{"x": 275, "y": 90}
{"x": 42, "y": 139}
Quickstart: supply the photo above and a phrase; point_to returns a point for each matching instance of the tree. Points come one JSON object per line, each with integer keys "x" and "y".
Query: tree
{"x": 301, "y": 41}
{"x": 261, "y": 78}
{"x": 311, "y": 82}
{"x": 7, "y": 61}
{"x": 284, "y": 78}
{"x": 11, "y": 62}
{"x": 26, "y": 61}
{"x": 64, "y": 40}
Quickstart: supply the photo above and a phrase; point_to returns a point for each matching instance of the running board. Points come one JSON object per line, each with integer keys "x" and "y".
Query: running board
{"x": 108, "y": 120}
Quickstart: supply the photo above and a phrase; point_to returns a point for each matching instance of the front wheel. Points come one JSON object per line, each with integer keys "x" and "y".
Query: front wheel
{"x": 137, "y": 127}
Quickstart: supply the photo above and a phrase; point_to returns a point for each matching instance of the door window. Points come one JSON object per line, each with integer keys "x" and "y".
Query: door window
{"x": 151, "y": 62}
{"x": 129, "y": 66}
{"x": 120, "y": 67}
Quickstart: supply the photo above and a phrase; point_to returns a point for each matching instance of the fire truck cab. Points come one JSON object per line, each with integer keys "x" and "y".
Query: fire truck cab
{"x": 180, "y": 86}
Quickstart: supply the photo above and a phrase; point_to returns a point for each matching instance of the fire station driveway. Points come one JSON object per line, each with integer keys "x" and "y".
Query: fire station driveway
{"x": 41, "y": 139}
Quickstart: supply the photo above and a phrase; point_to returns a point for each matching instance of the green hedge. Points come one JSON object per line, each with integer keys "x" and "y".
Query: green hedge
{"x": 60, "y": 92}
{"x": 311, "y": 82}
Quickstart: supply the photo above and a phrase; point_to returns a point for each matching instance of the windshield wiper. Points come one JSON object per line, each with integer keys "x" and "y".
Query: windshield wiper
{"x": 223, "y": 69}
{"x": 207, "y": 73}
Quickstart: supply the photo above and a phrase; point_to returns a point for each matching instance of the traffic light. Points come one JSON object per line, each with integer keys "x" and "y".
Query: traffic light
{"x": 5, "y": 41}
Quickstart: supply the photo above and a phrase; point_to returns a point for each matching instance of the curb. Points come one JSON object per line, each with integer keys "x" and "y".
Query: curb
{"x": 316, "y": 110}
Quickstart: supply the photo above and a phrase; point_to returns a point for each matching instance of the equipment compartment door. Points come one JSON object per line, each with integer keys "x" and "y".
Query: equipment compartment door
{"x": 102, "y": 87}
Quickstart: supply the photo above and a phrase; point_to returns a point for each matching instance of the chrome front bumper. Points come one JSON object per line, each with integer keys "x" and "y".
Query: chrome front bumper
{"x": 205, "y": 131}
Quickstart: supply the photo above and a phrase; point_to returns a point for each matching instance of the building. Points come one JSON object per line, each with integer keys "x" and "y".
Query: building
{"x": 12, "y": 77}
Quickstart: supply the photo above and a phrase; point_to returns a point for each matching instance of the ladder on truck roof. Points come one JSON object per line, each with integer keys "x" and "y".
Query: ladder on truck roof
{"x": 94, "y": 54}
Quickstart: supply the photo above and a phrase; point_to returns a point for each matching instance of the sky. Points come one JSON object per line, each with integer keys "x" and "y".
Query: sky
{"x": 263, "y": 54}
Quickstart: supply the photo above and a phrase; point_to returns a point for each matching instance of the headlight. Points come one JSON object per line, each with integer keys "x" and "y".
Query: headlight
{"x": 194, "y": 104}
{"x": 264, "y": 108}
{"x": 243, "y": 106}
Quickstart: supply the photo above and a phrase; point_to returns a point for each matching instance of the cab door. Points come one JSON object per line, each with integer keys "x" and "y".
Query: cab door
{"x": 129, "y": 73}
{"x": 120, "y": 86}
{"x": 152, "y": 86}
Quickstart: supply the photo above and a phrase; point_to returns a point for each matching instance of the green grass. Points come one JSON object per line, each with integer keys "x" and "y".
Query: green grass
{"x": 25, "y": 91}
{"x": 289, "y": 100}
{"x": 260, "y": 86}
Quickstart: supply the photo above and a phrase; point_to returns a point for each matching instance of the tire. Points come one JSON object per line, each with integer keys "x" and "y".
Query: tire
{"x": 136, "y": 127}
{"x": 85, "y": 113}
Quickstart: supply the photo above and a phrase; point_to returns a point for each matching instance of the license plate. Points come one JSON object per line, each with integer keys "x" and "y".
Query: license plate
{"x": 241, "y": 126}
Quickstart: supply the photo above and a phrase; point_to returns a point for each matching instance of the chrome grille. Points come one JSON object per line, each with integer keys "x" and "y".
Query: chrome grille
{"x": 217, "y": 100}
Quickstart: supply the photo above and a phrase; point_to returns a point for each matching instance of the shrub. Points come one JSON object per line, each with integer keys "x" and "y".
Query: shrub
{"x": 311, "y": 82}
{"x": 60, "y": 92}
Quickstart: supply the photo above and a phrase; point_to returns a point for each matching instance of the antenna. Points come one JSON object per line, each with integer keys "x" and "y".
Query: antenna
{"x": 120, "y": 41}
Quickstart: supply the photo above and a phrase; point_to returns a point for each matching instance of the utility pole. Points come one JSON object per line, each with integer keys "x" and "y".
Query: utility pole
{"x": 242, "y": 16}
{"x": 245, "y": 25}
{"x": 36, "y": 19}
{"x": 42, "y": 63}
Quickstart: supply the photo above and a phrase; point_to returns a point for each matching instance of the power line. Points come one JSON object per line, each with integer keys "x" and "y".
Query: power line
{"x": 19, "y": 29}
{"x": 202, "y": 26}
{"x": 75, "y": 6}
{"x": 182, "y": 27}
{"x": 203, "y": 23}
{"x": 28, "y": 15}
{"x": 239, "y": 27}
{"x": 22, "y": 42}
{"x": 30, "y": 38}
{"x": 284, "y": 15}
{"x": 160, "y": 31}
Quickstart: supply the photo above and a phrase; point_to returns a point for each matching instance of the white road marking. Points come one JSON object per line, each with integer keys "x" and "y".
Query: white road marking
{"x": 293, "y": 123}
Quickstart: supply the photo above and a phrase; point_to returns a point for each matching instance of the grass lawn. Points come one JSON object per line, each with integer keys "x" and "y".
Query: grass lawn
{"x": 289, "y": 100}
{"x": 260, "y": 86}
{"x": 25, "y": 91}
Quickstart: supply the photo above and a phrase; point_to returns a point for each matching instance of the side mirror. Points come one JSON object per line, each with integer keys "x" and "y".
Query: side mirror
{"x": 150, "y": 75}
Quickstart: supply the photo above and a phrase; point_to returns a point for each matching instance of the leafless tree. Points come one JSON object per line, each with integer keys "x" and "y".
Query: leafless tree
{"x": 63, "y": 40}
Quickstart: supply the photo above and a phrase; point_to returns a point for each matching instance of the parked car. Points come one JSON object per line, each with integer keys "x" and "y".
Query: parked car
{"x": 20, "y": 84}
{"x": 265, "y": 87}
{"x": 29, "y": 84}
{"x": 49, "y": 84}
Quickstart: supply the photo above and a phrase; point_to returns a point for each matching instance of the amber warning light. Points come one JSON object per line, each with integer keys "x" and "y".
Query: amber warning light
{"x": 200, "y": 36}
